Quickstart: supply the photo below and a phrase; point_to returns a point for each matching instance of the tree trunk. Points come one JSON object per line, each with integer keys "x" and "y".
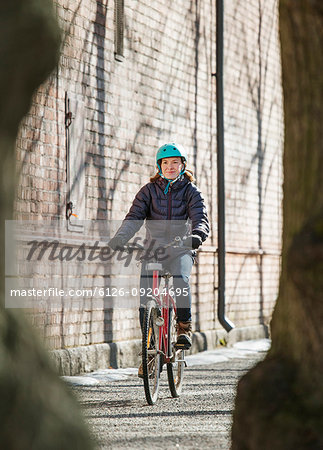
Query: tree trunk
{"x": 279, "y": 403}
{"x": 36, "y": 409}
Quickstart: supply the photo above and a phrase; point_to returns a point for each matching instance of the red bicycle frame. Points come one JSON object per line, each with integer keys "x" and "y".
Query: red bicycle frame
{"x": 165, "y": 301}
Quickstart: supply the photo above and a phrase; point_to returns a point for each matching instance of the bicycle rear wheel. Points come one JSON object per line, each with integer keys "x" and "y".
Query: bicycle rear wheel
{"x": 175, "y": 369}
{"x": 150, "y": 353}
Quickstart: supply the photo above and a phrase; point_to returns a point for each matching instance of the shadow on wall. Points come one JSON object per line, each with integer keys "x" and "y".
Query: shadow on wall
{"x": 257, "y": 83}
{"x": 35, "y": 123}
{"x": 47, "y": 98}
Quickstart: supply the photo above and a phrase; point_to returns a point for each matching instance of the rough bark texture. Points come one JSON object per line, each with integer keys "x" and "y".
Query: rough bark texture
{"x": 279, "y": 403}
{"x": 36, "y": 409}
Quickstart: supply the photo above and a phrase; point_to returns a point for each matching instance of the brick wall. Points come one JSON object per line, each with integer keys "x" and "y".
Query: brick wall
{"x": 163, "y": 91}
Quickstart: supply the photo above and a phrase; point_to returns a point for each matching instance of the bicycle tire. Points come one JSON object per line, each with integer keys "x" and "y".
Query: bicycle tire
{"x": 150, "y": 354}
{"x": 175, "y": 369}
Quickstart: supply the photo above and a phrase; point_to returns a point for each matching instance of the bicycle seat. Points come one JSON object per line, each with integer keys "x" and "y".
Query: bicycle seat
{"x": 158, "y": 266}
{"x": 154, "y": 266}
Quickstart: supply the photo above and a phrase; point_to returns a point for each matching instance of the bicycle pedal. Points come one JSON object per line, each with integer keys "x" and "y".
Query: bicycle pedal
{"x": 182, "y": 360}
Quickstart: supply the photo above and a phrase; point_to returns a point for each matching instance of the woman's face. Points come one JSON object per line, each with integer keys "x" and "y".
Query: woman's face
{"x": 171, "y": 167}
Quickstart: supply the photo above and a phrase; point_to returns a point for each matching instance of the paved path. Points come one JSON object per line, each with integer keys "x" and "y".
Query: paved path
{"x": 116, "y": 410}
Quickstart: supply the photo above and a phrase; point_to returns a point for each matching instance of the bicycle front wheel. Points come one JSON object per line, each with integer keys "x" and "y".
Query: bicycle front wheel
{"x": 175, "y": 368}
{"x": 150, "y": 354}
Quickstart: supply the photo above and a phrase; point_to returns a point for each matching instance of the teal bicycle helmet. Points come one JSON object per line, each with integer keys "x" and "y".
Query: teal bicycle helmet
{"x": 170, "y": 150}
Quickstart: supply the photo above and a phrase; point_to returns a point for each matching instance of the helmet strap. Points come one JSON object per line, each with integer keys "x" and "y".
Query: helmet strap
{"x": 170, "y": 182}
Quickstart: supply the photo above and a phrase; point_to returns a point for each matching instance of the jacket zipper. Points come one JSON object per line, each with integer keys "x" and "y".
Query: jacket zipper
{"x": 169, "y": 212}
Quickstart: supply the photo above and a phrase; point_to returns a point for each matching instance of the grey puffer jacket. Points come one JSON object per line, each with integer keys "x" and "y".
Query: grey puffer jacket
{"x": 179, "y": 212}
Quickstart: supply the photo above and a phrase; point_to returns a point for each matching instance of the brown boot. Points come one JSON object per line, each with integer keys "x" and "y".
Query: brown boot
{"x": 140, "y": 371}
{"x": 184, "y": 335}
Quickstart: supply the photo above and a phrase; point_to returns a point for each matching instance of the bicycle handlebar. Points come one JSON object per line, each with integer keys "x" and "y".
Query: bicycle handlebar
{"x": 177, "y": 242}
{"x": 132, "y": 247}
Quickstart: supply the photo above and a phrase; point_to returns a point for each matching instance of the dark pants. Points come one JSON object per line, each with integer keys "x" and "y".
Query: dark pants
{"x": 180, "y": 267}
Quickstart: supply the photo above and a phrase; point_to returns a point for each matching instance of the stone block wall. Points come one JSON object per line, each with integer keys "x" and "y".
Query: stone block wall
{"x": 163, "y": 90}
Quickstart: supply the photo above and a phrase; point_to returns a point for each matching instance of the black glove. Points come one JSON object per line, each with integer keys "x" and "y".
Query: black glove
{"x": 117, "y": 242}
{"x": 193, "y": 241}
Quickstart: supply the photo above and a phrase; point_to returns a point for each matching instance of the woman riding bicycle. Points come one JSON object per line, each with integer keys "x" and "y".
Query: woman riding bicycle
{"x": 172, "y": 206}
